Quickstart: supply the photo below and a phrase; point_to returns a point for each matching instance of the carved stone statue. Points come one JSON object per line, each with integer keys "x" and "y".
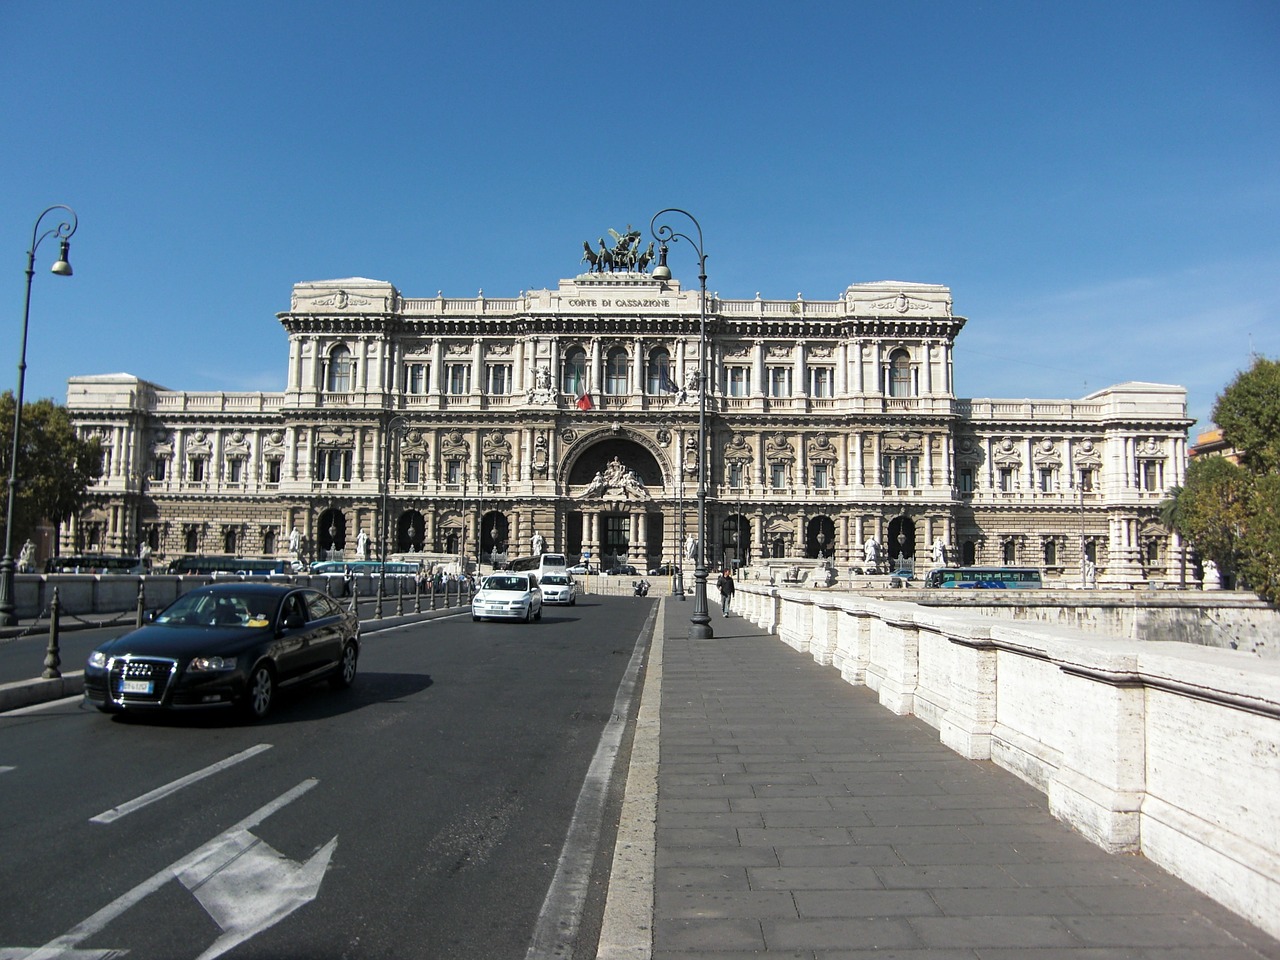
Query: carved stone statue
{"x": 295, "y": 543}
{"x": 27, "y": 557}
{"x": 691, "y": 548}
{"x": 871, "y": 552}
{"x": 538, "y": 543}
{"x": 362, "y": 545}
{"x": 939, "y": 553}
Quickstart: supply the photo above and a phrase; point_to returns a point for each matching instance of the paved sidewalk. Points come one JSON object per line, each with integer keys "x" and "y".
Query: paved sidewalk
{"x": 798, "y": 818}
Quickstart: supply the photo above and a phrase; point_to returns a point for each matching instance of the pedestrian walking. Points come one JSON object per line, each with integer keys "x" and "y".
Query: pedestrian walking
{"x": 726, "y": 587}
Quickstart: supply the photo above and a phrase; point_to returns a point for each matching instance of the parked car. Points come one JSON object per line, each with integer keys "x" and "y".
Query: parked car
{"x": 901, "y": 578}
{"x": 582, "y": 569}
{"x": 508, "y": 596}
{"x": 622, "y": 570}
{"x": 559, "y": 588}
{"x": 226, "y": 645}
{"x": 663, "y": 570}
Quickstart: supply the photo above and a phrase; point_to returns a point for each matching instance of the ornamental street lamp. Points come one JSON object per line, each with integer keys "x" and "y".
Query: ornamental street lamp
{"x": 700, "y": 622}
{"x": 400, "y": 422}
{"x": 62, "y": 268}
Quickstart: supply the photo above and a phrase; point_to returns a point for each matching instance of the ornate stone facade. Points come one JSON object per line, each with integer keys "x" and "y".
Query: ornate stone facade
{"x": 573, "y": 413}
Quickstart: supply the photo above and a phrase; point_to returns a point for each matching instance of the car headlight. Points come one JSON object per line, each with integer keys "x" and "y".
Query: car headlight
{"x": 209, "y": 664}
{"x": 98, "y": 660}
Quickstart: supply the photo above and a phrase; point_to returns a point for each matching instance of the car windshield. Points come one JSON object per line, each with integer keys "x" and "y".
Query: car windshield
{"x": 555, "y": 578}
{"x": 507, "y": 583}
{"x": 220, "y": 609}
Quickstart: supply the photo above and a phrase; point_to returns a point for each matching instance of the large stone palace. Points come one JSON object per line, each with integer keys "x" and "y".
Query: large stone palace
{"x": 474, "y": 428}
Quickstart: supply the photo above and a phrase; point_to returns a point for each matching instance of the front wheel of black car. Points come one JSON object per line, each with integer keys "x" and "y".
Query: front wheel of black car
{"x": 262, "y": 691}
{"x": 346, "y": 672}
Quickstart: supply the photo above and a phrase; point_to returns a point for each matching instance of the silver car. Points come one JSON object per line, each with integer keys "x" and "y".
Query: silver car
{"x": 559, "y": 588}
{"x": 508, "y": 596}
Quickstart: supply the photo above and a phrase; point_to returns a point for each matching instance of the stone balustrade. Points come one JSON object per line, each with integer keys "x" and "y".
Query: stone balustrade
{"x": 1144, "y": 746}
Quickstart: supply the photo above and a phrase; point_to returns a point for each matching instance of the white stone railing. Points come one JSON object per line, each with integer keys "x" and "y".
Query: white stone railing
{"x": 1167, "y": 749}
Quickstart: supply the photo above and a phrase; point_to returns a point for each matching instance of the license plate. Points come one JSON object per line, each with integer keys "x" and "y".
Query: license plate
{"x": 136, "y": 686}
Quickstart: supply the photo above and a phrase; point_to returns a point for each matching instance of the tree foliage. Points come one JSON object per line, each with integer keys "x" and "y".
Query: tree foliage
{"x": 1230, "y": 513}
{"x": 55, "y": 467}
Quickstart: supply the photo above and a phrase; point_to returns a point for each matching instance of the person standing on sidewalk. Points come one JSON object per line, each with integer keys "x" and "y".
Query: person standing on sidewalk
{"x": 726, "y": 587}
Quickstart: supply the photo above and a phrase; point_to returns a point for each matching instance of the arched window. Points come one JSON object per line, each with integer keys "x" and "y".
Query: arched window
{"x": 900, "y": 374}
{"x": 1010, "y": 553}
{"x": 615, "y": 372}
{"x": 573, "y": 372}
{"x": 341, "y": 374}
{"x": 658, "y": 375}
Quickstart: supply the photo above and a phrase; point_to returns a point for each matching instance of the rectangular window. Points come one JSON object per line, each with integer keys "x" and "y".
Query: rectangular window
{"x": 417, "y": 377}
{"x": 1046, "y": 479}
{"x": 1050, "y": 553}
{"x": 493, "y": 470}
{"x": 158, "y": 467}
{"x": 779, "y": 381}
{"x": 197, "y": 470}
{"x": 820, "y": 476}
{"x": 735, "y": 476}
{"x": 459, "y": 376}
{"x": 499, "y": 379}
{"x": 235, "y": 471}
{"x": 413, "y": 471}
{"x": 821, "y": 382}
{"x": 273, "y": 471}
{"x": 966, "y": 479}
{"x": 739, "y": 381}
{"x": 334, "y": 465}
{"x": 1006, "y": 479}
{"x": 1086, "y": 480}
{"x": 901, "y": 472}
{"x": 778, "y": 475}
{"x": 453, "y": 471}
{"x": 1149, "y": 475}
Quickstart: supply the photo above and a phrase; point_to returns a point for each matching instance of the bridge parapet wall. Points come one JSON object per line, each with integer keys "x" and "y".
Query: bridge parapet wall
{"x": 1164, "y": 748}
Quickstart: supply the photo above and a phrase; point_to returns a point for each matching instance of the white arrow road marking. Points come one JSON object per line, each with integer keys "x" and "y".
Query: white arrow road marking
{"x": 247, "y": 886}
{"x": 115, "y": 813}
{"x": 64, "y": 947}
{"x": 19, "y": 953}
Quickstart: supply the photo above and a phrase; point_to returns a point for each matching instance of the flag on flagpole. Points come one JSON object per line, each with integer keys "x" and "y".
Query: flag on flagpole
{"x": 668, "y": 384}
{"x": 583, "y": 394}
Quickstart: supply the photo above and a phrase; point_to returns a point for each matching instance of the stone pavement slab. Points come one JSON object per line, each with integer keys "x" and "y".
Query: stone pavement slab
{"x": 797, "y": 818}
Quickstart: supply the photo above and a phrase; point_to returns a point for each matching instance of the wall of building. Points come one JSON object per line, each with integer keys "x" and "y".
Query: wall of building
{"x": 828, "y": 424}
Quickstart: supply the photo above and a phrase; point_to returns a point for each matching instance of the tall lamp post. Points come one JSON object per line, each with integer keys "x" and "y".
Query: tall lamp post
{"x": 63, "y": 231}
{"x": 401, "y": 422}
{"x": 700, "y": 621}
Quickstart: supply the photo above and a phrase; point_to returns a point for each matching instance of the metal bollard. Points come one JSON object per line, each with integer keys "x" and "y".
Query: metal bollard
{"x": 433, "y": 593}
{"x": 355, "y": 598}
{"x": 142, "y": 603}
{"x": 399, "y": 596}
{"x": 417, "y": 595}
{"x": 52, "y": 658}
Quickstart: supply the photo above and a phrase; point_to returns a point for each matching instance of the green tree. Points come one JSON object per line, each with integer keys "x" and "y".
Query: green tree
{"x": 1248, "y": 412}
{"x": 55, "y": 467}
{"x": 1211, "y": 509}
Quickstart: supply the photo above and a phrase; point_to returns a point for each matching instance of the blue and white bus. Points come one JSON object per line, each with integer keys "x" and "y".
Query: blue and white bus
{"x": 994, "y": 578}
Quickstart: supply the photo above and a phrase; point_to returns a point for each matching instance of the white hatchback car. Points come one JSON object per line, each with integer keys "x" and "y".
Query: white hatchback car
{"x": 559, "y": 588}
{"x": 508, "y": 596}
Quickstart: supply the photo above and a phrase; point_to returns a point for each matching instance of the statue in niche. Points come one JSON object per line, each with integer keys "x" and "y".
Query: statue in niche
{"x": 538, "y": 543}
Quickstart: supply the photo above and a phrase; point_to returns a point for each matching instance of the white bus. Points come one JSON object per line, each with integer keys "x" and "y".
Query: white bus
{"x": 542, "y": 563}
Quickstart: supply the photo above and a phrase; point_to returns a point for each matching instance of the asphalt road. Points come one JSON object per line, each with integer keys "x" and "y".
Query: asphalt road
{"x": 421, "y": 814}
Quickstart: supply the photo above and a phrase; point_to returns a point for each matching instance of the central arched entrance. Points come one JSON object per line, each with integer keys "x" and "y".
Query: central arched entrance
{"x": 620, "y": 493}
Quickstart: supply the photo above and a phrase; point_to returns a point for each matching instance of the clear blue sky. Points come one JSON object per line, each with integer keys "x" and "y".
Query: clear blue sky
{"x": 1098, "y": 182}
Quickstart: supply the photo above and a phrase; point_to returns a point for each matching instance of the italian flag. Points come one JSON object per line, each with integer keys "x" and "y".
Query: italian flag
{"x": 584, "y": 395}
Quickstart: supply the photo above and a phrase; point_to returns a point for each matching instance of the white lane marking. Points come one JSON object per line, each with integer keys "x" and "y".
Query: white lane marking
{"x": 38, "y": 707}
{"x": 115, "y": 813}
{"x": 557, "y": 928}
{"x": 247, "y": 886}
{"x": 64, "y": 946}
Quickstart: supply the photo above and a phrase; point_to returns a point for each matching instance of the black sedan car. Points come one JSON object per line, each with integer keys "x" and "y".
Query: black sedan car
{"x": 226, "y": 645}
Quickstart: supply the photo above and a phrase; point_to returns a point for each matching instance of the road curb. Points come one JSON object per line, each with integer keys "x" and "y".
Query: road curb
{"x": 24, "y": 693}
{"x": 626, "y": 932}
